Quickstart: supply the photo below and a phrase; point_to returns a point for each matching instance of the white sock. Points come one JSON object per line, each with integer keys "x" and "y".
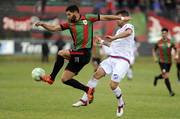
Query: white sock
{"x": 84, "y": 97}
{"x": 130, "y": 73}
{"x": 118, "y": 93}
{"x": 92, "y": 83}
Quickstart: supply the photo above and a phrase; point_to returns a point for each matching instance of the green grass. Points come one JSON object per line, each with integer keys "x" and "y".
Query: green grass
{"x": 23, "y": 98}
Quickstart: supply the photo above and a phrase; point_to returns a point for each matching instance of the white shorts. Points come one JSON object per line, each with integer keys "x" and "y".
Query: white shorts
{"x": 132, "y": 60}
{"x": 115, "y": 66}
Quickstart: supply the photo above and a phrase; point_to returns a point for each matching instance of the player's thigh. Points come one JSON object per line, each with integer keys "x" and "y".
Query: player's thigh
{"x": 64, "y": 53}
{"x": 99, "y": 73}
{"x": 168, "y": 68}
{"x": 106, "y": 65}
{"x": 67, "y": 75}
{"x": 119, "y": 70}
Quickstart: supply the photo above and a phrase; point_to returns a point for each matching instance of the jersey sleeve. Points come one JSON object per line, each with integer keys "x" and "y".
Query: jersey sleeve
{"x": 129, "y": 26}
{"x": 173, "y": 45}
{"x": 64, "y": 26}
{"x": 93, "y": 17}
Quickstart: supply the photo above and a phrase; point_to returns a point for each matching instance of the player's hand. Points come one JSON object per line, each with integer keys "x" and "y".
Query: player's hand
{"x": 126, "y": 18}
{"x": 109, "y": 38}
{"x": 38, "y": 24}
{"x": 99, "y": 40}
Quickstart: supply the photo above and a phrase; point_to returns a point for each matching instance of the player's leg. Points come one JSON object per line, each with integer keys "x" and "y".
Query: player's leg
{"x": 95, "y": 63}
{"x": 166, "y": 78}
{"x": 62, "y": 54}
{"x": 92, "y": 83}
{"x": 119, "y": 71}
{"x": 67, "y": 78}
{"x": 158, "y": 77}
{"x": 117, "y": 92}
{"x": 130, "y": 73}
{"x": 76, "y": 63}
{"x": 178, "y": 71}
{"x": 103, "y": 69}
{"x": 130, "y": 70}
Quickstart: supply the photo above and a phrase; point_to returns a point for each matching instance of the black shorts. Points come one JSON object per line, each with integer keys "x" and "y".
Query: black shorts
{"x": 165, "y": 67}
{"x": 79, "y": 58}
{"x": 96, "y": 60}
{"x": 178, "y": 66}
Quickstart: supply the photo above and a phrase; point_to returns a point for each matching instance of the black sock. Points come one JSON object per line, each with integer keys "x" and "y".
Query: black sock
{"x": 76, "y": 84}
{"x": 178, "y": 74}
{"x": 57, "y": 66}
{"x": 119, "y": 96}
{"x": 159, "y": 76}
{"x": 168, "y": 85}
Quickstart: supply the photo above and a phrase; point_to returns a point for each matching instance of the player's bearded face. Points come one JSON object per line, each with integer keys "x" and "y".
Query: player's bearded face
{"x": 73, "y": 19}
{"x": 119, "y": 22}
{"x": 164, "y": 34}
{"x": 71, "y": 16}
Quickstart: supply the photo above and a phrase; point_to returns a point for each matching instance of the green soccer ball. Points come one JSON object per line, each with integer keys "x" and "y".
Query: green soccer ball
{"x": 37, "y": 73}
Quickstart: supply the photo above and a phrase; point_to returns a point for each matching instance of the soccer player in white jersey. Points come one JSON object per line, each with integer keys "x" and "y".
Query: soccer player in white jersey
{"x": 118, "y": 62}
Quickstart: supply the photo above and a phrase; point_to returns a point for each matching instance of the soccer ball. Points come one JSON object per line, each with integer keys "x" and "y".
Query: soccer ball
{"x": 37, "y": 73}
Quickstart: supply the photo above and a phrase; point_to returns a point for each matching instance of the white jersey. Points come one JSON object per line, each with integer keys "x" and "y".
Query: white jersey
{"x": 124, "y": 47}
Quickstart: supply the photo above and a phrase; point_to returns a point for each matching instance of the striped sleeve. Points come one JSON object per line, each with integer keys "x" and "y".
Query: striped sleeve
{"x": 65, "y": 26}
{"x": 93, "y": 17}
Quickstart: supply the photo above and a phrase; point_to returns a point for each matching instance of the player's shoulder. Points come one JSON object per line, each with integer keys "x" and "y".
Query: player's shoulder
{"x": 90, "y": 15}
{"x": 128, "y": 25}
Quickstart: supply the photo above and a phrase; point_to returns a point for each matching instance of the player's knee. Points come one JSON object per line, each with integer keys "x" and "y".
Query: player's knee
{"x": 166, "y": 75}
{"x": 64, "y": 80}
{"x": 97, "y": 75}
{"x": 113, "y": 87}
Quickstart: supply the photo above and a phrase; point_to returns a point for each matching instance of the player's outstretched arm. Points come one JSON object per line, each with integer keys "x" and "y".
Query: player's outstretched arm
{"x": 48, "y": 27}
{"x": 113, "y": 17}
{"x": 120, "y": 35}
{"x": 176, "y": 54}
{"x": 101, "y": 41}
{"x": 154, "y": 53}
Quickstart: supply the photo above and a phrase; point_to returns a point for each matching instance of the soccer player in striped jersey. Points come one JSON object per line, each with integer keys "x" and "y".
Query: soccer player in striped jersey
{"x": 163, "y": 49}
{"x": 81, "y": 29}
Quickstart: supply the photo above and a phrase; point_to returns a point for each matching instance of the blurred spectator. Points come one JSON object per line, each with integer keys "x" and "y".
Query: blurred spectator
{"x": 60, "y": 44}
{"x": 40, "y": 6}
{"x": 45, "y": 48}
{"x": 98, "y": 5}
{"x": 142, "y": 5}
{"x": 110, "y": 6}
{"x": 156, "y": 6}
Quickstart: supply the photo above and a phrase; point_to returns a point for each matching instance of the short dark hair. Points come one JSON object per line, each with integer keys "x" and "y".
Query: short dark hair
{"x": 123, "y": 13}
{"x": 72, "y": 8}
{"x": 164, "y": 29}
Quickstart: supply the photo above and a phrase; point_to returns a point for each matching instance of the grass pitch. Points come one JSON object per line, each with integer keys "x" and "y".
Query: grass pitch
{"x": 23, "y": 98}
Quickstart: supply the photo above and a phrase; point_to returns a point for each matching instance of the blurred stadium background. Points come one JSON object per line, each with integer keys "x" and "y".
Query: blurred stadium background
{"x": 19, "y": 36}
{"x": 21, "y": 47}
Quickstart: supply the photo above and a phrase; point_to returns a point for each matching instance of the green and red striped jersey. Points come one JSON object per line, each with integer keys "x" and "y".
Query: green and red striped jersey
{"x": 82, "y": 30}
{"x": 164, "y": 50}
